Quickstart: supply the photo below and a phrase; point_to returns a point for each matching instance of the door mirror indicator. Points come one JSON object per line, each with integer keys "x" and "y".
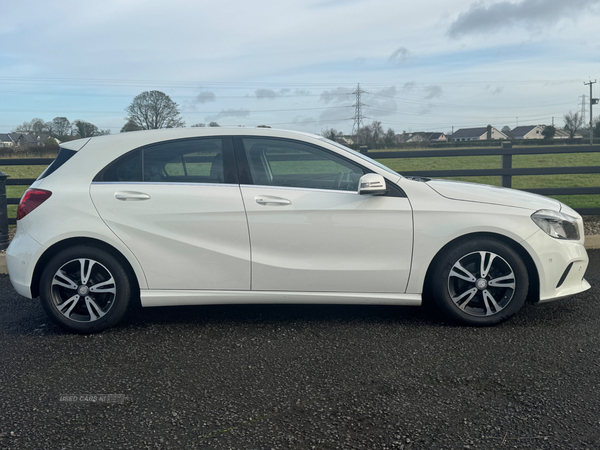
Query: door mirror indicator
{"x": 372, "y": 184}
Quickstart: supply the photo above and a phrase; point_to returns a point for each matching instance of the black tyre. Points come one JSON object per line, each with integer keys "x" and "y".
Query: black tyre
{"x": 85, "y": 289}
{"x": 479, "y": 282}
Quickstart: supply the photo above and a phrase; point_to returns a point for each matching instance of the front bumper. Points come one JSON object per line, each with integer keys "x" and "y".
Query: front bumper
{"x": 561, "y": 265}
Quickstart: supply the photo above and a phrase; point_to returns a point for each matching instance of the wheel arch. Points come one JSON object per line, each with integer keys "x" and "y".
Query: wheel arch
{"x": 533, "y": 294}
{"x": 70, "y": 242}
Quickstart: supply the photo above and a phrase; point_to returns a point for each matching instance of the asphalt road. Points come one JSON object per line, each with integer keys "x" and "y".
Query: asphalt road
{"x": 303, "y": 377}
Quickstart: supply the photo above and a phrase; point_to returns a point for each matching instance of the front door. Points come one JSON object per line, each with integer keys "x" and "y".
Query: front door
{"x": 312, "y": 232}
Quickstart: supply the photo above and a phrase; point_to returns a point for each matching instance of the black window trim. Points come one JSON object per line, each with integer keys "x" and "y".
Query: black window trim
{"x": 245, "y": 176}
{"x": 64, "y": 154}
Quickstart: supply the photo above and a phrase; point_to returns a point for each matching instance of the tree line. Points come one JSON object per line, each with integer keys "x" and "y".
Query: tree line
{"x": 374, "y": 136}
{"x": 60, "y": 128}
{"x": 152, "y": 110}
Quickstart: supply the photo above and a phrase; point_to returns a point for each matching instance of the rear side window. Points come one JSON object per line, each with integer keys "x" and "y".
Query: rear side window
{"x": 63, "y": 156}
{"x": 127, "y": 168}
{"x": 188, "y": 161}
{"x": 184, "y": 161}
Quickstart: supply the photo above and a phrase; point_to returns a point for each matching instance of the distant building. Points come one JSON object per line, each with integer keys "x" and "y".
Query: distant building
{"x": 478, "y": 134}
{"x": 421, "y": 136}
{"x": 344, "y": 140}
{"x": 11, "y": 139}
{"x": 24, "y": 139}
{"x": 562, "y": 134}
{"x": 528, "y": 132}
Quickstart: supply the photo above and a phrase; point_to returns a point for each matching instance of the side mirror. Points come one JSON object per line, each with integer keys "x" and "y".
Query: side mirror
{"x": 372, "y": 184}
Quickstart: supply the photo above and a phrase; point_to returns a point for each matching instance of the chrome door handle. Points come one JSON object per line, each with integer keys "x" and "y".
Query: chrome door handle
{"x": 266, "y": 200}
{"x": 131, "y": 196}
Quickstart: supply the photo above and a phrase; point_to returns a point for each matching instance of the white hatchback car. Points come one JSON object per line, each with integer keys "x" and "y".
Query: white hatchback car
{"x": 215, "y": 215}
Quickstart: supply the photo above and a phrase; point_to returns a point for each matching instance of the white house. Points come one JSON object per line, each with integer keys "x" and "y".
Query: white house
{"x": 528, "y": 132}
{"x": 478, "y": 134}
{"x": 421, "y": 136}
{"x": 11, "y": 139}
{"x": 562, "y": 134}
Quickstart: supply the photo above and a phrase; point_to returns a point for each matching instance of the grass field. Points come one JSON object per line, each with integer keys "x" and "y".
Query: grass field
{"x": 446, "y": 163}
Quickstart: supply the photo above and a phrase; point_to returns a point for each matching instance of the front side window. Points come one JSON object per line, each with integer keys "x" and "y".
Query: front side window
{"x": 278, "y": 162}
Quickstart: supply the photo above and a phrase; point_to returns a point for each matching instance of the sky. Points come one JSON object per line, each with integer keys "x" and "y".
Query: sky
{"x": 431, "y": 65}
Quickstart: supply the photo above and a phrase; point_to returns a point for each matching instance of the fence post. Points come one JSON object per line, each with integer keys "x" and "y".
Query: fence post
{"x": 3, "y": 212}
{"x": 507, "y": 164}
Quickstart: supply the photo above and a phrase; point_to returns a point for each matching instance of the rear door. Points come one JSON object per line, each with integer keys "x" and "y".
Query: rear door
{"x": 177, "y": 206}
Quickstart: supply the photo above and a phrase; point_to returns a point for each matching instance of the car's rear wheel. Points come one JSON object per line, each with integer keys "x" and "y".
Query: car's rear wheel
{"x": 479, "y": 282}
{"x": 85, "y": 289}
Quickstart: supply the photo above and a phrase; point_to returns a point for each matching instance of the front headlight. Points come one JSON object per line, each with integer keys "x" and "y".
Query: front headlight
{"x": 557, "y": 225}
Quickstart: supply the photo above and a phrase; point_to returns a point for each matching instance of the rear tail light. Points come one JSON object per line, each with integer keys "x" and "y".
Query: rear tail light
{"x": 31, "y": 200}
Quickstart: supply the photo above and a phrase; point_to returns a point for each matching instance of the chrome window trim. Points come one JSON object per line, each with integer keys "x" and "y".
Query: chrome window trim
{"x": 162, "y": 183}
{"x": 293, "y": 188}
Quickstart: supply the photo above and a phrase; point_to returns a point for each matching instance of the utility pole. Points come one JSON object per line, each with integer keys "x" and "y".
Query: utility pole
{"x": 358, "y": 115}
{"x": 592, "y": 101}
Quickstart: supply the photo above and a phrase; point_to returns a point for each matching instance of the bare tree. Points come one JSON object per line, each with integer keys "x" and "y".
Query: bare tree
{"x": 390, "y": 138}
{"x": 331, "y": 134}
{"x": 378, "y": 134}
{"x": 198, "y": 125}
{"x": 37, "y": 126}
{"x": 25, "y": 127}
{"x": 86, "y": 129}
{"x": 573, "y": 123}
{"x": 60, "y": 127}
{"x": 152, "y": 110}
{"x": 372, "y": 135}
{"x": 130, "y": 126}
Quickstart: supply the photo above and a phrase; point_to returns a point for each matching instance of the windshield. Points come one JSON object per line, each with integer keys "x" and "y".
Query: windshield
{"x": 360, "y": 155}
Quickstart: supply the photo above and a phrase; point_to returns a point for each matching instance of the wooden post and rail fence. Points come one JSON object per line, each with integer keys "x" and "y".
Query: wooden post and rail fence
{"x": 506, "y": 172}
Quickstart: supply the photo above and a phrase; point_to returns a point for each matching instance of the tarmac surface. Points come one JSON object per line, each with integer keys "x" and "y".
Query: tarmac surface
{"x": 303, "y": 377}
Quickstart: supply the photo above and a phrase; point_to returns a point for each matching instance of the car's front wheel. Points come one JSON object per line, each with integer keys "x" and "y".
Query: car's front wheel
{"x": 85, "y": 289}
{"x": 479, "y": 282}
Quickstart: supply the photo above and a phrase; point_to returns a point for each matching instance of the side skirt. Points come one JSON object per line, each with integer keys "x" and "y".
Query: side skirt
{"x": 181, "y": 298}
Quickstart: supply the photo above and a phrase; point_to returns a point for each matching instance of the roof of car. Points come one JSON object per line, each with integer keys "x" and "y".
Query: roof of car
{"x": 139, "y": 138}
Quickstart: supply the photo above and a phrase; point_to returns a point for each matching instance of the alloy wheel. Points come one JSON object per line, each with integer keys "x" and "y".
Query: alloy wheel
{"x": 83, "y": 290}
{"x": 481, "y": 283}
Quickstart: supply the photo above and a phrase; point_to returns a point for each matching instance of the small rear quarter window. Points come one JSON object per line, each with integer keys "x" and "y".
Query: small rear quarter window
{"x": 63, "y": 156}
